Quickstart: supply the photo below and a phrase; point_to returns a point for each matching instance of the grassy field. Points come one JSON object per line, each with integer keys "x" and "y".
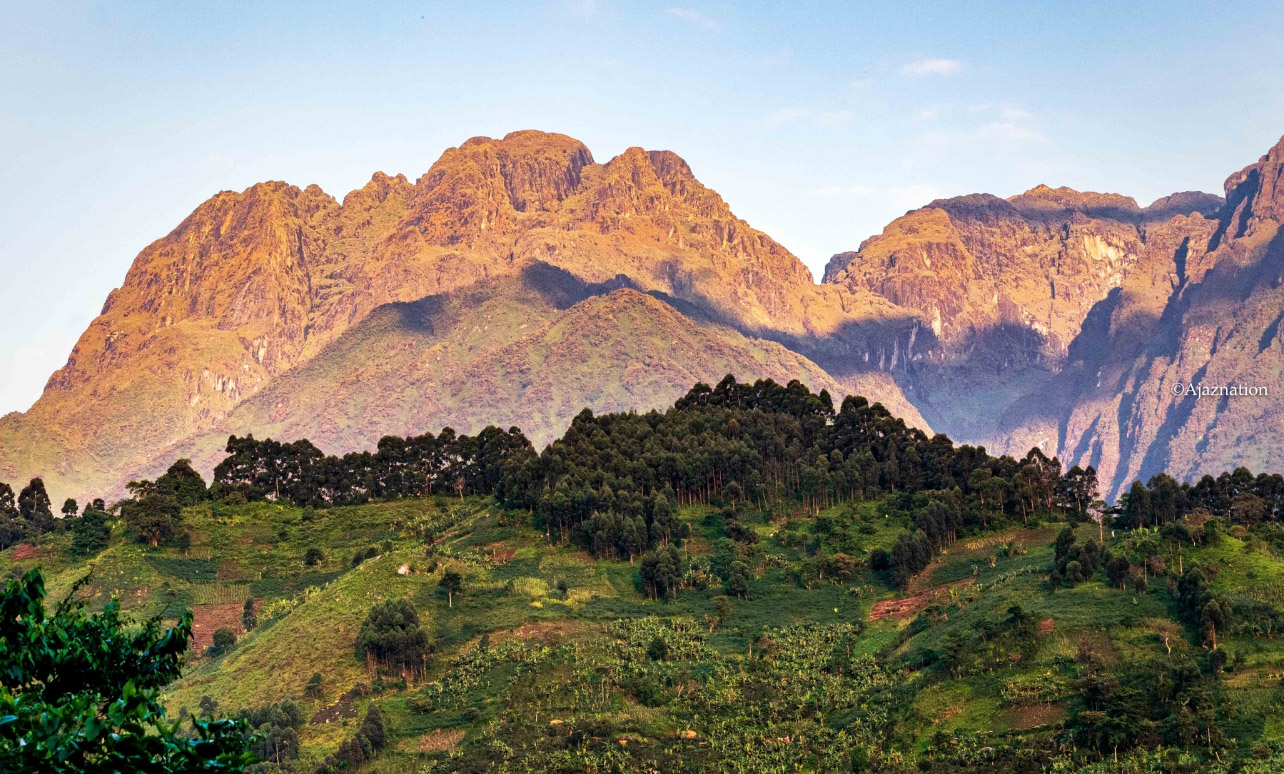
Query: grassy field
{"x": 555, "y": 661}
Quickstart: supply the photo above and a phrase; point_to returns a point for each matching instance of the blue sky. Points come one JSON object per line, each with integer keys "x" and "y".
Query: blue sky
{"x": 818, "y": 122}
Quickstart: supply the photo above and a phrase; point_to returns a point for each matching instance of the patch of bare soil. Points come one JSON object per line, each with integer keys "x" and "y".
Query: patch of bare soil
{"x": 1030, "y": 716}
{"x": 207, "y": 619}
{"x": 342, "y": 709}
{"x": 908, "y": 606}
{"x": 439, "y": 741}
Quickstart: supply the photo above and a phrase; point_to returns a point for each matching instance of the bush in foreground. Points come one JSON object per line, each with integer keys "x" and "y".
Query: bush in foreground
{"x": 78, "y": 692}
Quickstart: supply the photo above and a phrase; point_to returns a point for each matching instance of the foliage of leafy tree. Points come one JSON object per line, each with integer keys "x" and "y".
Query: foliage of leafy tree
{"x": 78, "y": 692}
{"x": 451, "y": 583}
{"x": 299, "y": 473}
{"x": 183, "y": 483}
{"x": 90, "y": 533}
{"x": 34, "y": 507}
{"x": 11, "y": 528}
{"x": 154, "y": 519}
{"x": 313, "y": 690}
{"x": 361, "y": 555}
{"x": 911, "y": 554}
{"x": 276, "y": 727}
{"x": 1151, "y": 704}
{"x": 1075, "y": 562}
{"x": 1238, "y": 495}
{"x": 390, "y": 636}
{"x": 737, "y": 583}
{"x": 372, "y": 728}
{"x": 992, "y": 643}
{"x": 224, "y": 640}
{"x": 1118, "y": 571}
{"x": 359, "y": 748}
{"x": 763, "y": 442}
{"x": 662, "y": 572}
{"x": 208, "y": 706}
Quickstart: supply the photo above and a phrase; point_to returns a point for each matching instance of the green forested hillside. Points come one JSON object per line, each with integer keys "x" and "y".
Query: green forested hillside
{"x": 643, "y": 596}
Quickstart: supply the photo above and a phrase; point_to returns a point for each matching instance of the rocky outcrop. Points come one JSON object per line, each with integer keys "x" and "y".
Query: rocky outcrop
{"x": 1012, "y": 279}
{"x": 519, "y": 280}
{"x": 1206, "y": 312}
{"x": 255, "y": 285}
{"x": 1070, "y": 321}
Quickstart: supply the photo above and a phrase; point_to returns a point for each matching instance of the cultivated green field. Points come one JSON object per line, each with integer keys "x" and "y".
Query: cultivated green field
{"x": 548, "y": 659}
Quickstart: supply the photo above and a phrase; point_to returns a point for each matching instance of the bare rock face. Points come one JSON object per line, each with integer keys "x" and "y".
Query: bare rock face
{"x": 1016, "y": 274}
{"x": 254, "y": 285}
{"x": 519, "y": 280}
{"x": 238, "y": 263}
{"x": 1208, "y": 313}
{"x": 1121, "y": 307}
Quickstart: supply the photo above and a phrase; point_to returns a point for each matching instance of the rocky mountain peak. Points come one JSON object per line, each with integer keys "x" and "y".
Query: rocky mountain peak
{"x": 536, "y": 169}
{"x": 1043, "y": 201}
{"x": 1183, "y": 203}
{"x": 1256, "y": 193}
{"x": 1016, "y": 274}
{"x": 380, "y": 187}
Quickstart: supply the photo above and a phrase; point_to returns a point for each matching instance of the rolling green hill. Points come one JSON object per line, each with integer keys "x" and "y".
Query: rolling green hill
{"x": 751, "y": 581}
{"x": 794, "y": 677}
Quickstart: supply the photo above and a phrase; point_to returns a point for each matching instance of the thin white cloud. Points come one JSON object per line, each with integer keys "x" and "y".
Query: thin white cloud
{"x": 694, "y": 17}
{"x": 933, "y": 67}
{"x": 911, "y": 197}
{"x": 929, "y": 113}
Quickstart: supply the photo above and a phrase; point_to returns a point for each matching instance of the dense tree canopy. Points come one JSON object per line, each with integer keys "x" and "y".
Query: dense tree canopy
{"x": 401, "y": 467}
{"x": 90, "y": 532}
{"x": 390, "y": 637}
{"x": 1240, "y": 495}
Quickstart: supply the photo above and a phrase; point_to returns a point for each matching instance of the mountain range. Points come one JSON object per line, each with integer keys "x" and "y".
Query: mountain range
{"x": 519, "y": 280}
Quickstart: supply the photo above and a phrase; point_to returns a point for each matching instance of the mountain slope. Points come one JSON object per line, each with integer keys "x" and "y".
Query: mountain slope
{"x": 531, "y": 351}
{"x": 1079, "y": 313}
{"x": 254, "y": 284}
{"x": 981, "y": 269}
{"x": 1054, "y": 318}
{"x": 1218, "y": 325}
